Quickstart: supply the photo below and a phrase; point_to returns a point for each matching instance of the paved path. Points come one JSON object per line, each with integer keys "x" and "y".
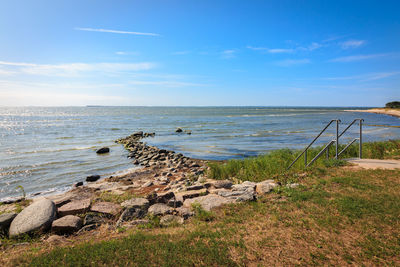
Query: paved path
{"x": 376, "y": 163}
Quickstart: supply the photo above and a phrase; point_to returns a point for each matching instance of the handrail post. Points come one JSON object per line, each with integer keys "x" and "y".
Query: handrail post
{"x": 337, "y": 138}
{"x": 360, "y": 141}
{"x": 305, "y": 158}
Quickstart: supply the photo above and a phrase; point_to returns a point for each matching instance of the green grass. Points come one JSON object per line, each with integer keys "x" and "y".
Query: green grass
{"x": 143, "y": 249}
{"x": 337, "y": 217}
{"x": 274, "y": 164}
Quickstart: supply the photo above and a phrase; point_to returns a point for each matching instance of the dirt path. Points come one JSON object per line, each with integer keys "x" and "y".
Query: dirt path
{"x": 376, "y": 163}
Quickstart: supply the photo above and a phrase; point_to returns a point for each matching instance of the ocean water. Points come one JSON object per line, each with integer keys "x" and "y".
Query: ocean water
{"x": 48, "y": 149}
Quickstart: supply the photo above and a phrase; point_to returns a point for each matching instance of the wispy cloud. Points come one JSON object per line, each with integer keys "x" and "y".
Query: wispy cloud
{"x": 352, "y": 44}
{"x": 334, "y": 38}
{"x": 74, "y": 69}
{"x": 292, "y": 62}
{"x": 166, "y": 83}
{"x": 117, "y": 31}
{"x": 230, "y": 53}
{"x": 367, "y": 77}
{"x": 313, "y": 46}
{"x": 271, "y": 50}
{"x": 357, "y": 58}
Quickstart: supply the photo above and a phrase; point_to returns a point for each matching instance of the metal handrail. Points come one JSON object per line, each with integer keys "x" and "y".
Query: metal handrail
{"x": 323, "y": 130}
{"x": 326, "y": 148}
{"x": 355, "y": 139}
{"x": 321, "y": 152}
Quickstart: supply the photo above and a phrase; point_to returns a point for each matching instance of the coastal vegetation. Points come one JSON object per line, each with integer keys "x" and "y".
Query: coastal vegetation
{"x": 394, "y": 104}
{"x": 274, "y": 165}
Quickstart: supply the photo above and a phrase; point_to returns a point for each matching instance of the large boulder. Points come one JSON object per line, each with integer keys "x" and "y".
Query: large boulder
{"x": 37, "y": 217}
{"x": 207, "y": 202}
{"x": 5, "y": 220}
{"x": 67, "y": 224}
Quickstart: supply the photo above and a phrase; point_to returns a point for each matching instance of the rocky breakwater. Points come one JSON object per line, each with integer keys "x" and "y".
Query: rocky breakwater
{"x": 151, "y": 156}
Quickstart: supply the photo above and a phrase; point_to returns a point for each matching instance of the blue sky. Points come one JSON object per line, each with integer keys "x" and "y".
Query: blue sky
{"x": 264, "y": 53}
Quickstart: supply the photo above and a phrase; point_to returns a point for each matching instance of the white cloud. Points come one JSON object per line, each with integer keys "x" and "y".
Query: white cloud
{"x": 230, "y": 53}
{"x": 313, "y": 46}
{"x": 352, "y": 44}
{"x": 74, "y": 69}
{"x": 166, "y": 83}
{"x": 292, "y": 62}
{"x": 367, "y": 77}
{"x": 117, "y": 31}
{"x": 271, "y": 50}
{"x": 357, "y": 58}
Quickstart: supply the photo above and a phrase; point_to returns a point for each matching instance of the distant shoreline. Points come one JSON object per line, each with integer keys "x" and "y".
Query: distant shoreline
{"x": 385, "y": 111}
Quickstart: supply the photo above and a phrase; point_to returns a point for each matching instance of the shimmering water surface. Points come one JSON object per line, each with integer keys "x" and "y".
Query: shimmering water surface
{"x": 48, "y": 149}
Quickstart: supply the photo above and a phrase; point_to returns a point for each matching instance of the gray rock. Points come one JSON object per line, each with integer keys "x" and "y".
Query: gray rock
{"x": 140, "y": 203}
{"x": 6, "y": 219}
{"x": 36, "y": 217}
{"x": 171, "y": 219}
{"x": 108, "y": 208}
{"x": 207, "y": 202}
{"x": 92, "y": 178}
{"x": 222, "y": 184}
{"x": 174, "y": 203}
{"x": 130, "y": 214}
{"x": 103, "y": 150}
{"x": 182, "y": 196}
{"x": 240, "y": 192}
{"x": 74, "y": 207}
{"x": 67, "y": 224}
{"x": 265, "y": 187}
{"x": 195, "y": 187}
{"x": 160, "y": 209}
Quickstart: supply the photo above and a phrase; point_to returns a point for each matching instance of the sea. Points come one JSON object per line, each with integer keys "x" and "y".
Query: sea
{"x": 45, "y": 150}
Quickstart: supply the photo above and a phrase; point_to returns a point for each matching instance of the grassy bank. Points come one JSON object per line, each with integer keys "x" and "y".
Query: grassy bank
{"x": 337, "y": 217}
{"x": 275, "y": 163}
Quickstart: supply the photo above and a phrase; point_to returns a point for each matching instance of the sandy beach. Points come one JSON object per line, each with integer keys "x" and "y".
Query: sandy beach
{"x": 386, "y": 111}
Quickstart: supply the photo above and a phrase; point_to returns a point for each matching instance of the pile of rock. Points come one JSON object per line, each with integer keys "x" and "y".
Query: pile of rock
{"x": 148, "y": 156}
{"x": 170, "y": 185}
{"x": 173, "y": 204}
